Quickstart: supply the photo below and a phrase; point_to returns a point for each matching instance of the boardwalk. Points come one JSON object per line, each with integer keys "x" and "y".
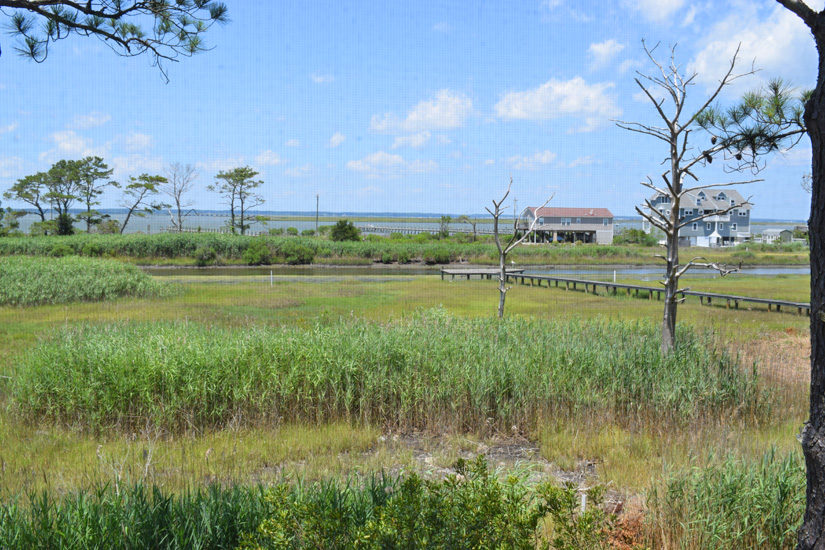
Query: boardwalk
{"x": 614, "y": 288}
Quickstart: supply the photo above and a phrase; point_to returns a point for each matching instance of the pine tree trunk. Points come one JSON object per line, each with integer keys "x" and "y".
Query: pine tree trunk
{"x": 812, "y": 532}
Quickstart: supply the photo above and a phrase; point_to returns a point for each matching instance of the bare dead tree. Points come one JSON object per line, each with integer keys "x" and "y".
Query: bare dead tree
{"x": 682, "y": 159}
{"x": 180, "y": 180}
{"x": 512, "y": 242}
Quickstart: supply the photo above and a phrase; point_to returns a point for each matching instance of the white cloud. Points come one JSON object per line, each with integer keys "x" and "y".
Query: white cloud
{"x": 556, "y": 98}
{"x": 70, "y": 145}
{"x": 442, "y": 27}
{"x": 92, "y": 120}
{"x": 443, "y": 140}
{"x": 8, "y": 128}
{"x": 134, "y": 165}
{"x": 447, "y": 111}
{"x": 778, "y": 41}
{"x": 269, "y": 157}
{"x": 520, "y": 162}
{"x": 299, "y": 171}
{"x": 337, "y": 139}
{"x": 322, "y": 78}
{"x": 655, "y": 10}
{"x": 489, "y": 162}
{"x": 11, "y": 167}
{"x": 416, "y": 141}
{"x": 602, "y": 53}
{"x": 293, "y": 143}
{"x": 138, "y": 142}
{"x": 387, "y": 165}
{"x": 582, "y": 161}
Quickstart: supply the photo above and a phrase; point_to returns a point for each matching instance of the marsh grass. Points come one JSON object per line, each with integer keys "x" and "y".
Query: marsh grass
{"x": 42, "y": 280}
{"x": 730, "y": 503}
{"x": 429, "y": 371}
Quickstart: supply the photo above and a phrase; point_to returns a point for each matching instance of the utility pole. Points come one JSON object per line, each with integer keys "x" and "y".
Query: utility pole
{"x": 317, "y": 195}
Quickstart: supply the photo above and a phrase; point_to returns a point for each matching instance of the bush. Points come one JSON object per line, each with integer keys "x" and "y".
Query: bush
{"x": 65, "y": 225}
{"x": 437, "y": 256}
{"x": 403, "y": 257}
{"x": 258, "y": 253}
{"x": 636, "y": 236}
{"x": 205, "y": 255}
{"x": 386, "y": 258}
{"x": 467, "y": 510}
{"x": 297, "y": 254}
{"x": 276, "y": 231}
{"x": 60, "y": 250}
{"x": 344, "y": 230}
{"x": 308, "y": 233}
{"x": 92, "y": 250}
{"x": 292, "y": 231}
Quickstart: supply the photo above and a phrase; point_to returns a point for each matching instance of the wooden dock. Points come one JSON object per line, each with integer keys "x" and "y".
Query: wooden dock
{"x": 615, "y": 288}
{"x": 483, "y": 273}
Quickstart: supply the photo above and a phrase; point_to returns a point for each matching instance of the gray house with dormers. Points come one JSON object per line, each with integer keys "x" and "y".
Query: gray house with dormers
{"x": 718, "y": 228}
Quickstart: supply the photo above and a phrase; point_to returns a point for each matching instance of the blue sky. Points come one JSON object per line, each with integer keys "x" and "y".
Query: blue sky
{"x": 407, "y": 106}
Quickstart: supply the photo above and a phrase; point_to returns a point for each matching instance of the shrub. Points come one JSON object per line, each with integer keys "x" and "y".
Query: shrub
{"x": 205, "y": 255}
{"x": 60, "y": 250}
{"x": 467, "y": 510}
{"x": 292, "y": 231}
{"x": 386, "y": 258}
{"x": 297, "y": 254}
{"x": 258, "y": 253}
{"x": 92, "y": 249}
{"x": 437, "y": 256}
{"x": 344, "y": 230}
{"x": 276, "y": 231}
{"x": 403, "y": 257}
{"x": 308, "y": 233}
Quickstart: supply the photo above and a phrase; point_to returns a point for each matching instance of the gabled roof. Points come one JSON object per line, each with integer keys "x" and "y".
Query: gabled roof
{"x": 562, "y": 212}
{"x": 710, "y": 199}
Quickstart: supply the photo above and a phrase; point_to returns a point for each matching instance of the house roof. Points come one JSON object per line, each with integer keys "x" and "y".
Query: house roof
{"x": 710, "y": 199}
{"x": 773, "y": 231}
{"x": 562, "y": 212}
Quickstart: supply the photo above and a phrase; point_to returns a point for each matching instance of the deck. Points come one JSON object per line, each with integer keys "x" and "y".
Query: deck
{"x": 707, "y": 298}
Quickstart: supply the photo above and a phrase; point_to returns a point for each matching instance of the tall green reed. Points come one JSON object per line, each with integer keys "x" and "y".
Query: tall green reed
{"x": 431, "y": 370}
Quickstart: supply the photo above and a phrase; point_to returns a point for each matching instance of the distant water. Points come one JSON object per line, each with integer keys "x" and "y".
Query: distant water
{"x": 159, "y": 223}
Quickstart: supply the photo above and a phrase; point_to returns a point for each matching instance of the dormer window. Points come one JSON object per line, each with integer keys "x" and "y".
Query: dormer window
{"x": 701, "y": 194}
{"x": 721, "y": 197}
{"x": 732, "y": 202}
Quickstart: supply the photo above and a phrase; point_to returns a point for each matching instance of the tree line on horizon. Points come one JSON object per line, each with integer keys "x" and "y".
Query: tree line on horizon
{"x": 72, "y": 183}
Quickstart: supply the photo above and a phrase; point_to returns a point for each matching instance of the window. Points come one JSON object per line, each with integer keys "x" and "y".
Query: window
{"x": 698, "y": 202}
{"x": 606, "y": 222}
{"x": 689, "y": 212}
{"x": 668, "y": 211}
{"x": 665, "y": 199}
{"x": 743, "y": 213}
{"x": 733, "y": 227}
{"x": 721, "y": 226}
{"x": 578, "y": 220}
{"x": 707, "y": 226}
{"x": 721, "y": 197}
{"x": 565, "y": 221}
{"x": 695, "y": 226}
{"x": 732, "y": 202}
